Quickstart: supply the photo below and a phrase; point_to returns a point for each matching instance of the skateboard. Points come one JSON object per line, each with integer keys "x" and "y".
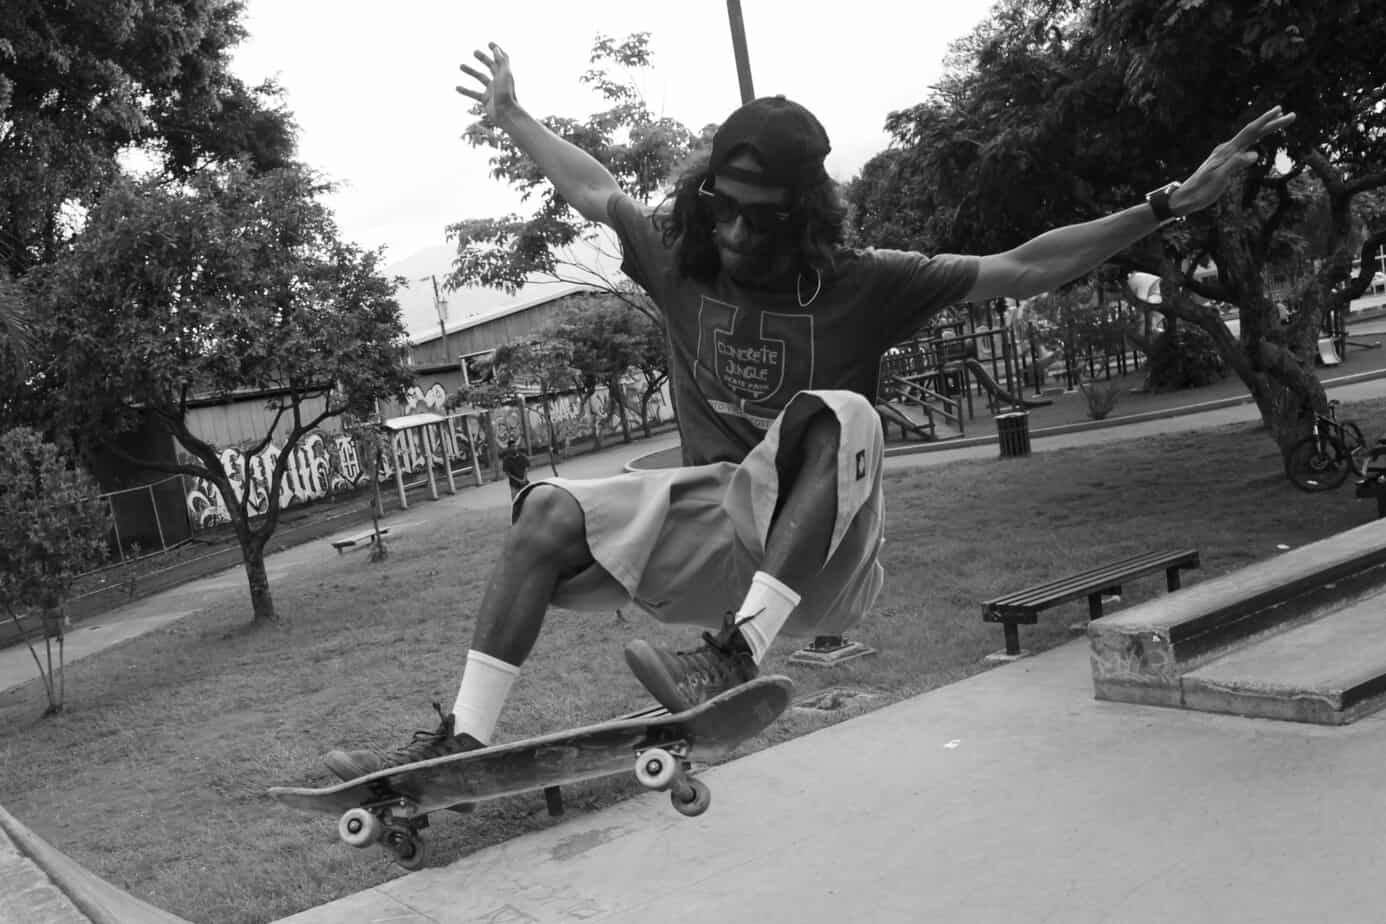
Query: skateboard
{"x": 391, "y": 806}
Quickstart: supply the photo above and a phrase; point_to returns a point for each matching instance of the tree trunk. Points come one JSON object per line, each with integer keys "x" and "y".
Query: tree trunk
{"x": 553, "y": 437}
{"x": 596, "y": 421}
{"x": 490, "y": 447}
{"x": 1283, "y": 407}
{"x": 261, "y": 600}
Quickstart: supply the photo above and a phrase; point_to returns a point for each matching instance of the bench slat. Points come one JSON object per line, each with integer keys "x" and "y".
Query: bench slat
{"x": 1151, "y": 562}
{"x": 1023, "y": 606}
{"x": 1081, "y": 585}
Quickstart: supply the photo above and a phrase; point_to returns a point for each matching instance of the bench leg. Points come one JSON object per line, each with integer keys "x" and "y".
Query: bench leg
{"x": 1095, "y": 605}
{"x": 1171, "y": 579}
{"x": 553, "y": 799}
{"x": 1012, "y": 633}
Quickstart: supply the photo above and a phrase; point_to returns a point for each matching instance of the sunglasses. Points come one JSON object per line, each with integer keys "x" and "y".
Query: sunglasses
{"x": 761, "y": 217}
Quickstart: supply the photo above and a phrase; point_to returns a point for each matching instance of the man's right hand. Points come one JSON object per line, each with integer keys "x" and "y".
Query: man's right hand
{"x": 578, "y": 177}
{"x": 497, "y": 93}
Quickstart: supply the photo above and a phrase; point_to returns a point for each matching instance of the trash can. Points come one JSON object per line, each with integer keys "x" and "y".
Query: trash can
{"x": 1013, "y": 433}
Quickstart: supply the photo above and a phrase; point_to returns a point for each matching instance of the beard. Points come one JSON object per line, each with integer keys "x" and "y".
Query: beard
{"x": 757, "y": 265}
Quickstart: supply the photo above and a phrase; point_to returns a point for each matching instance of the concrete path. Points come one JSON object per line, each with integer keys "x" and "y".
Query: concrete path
{"x": 1012, "y": 796}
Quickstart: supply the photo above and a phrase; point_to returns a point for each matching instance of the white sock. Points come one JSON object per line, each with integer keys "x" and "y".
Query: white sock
{"x": 769, "y": 604}
{"x": 486, "y": 683}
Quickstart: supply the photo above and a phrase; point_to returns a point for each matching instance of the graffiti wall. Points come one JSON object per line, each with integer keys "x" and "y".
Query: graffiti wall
{"x": 323, "y": 463}
{"x": 328, "y": 462}
{"x": 574, "y": 419}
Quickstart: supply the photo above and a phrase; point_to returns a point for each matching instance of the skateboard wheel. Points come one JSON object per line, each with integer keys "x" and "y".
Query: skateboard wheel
{"x": 692, "y": 798}
{"x": 410, "y": 850}
{"x": 359, "y": 828}
{"x": 656, "y": 768}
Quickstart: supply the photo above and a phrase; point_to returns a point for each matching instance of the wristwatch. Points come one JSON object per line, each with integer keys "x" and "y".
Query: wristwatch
{"x": 1159, "y": 203}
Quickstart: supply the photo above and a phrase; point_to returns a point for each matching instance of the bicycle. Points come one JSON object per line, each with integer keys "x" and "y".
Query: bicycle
{"x": 1333, "y": 449}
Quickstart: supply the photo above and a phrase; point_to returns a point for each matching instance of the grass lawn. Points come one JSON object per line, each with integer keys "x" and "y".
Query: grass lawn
{"x": 154, "y": 777}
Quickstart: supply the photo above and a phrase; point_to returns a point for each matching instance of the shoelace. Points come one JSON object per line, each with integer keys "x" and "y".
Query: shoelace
{"x": 423, "y": 739}
{"x": 718, "y": 663}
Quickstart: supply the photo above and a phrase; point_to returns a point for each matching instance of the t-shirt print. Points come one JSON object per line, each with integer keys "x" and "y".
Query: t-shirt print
{"x": 750, "y": 363}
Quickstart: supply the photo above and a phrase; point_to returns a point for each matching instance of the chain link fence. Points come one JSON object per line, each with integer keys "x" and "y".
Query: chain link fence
{"x": 148, "y": 519}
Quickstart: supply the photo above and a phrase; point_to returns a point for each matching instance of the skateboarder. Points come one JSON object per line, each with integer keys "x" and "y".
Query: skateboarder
{"x": 515, "y": 464}
{"x": 774, "y": 521}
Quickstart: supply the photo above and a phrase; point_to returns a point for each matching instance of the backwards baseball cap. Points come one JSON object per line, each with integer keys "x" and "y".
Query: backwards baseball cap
{"x": 786, "y": 139}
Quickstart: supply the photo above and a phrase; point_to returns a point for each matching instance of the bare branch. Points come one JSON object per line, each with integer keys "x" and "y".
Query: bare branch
{"x": 268, "y": 438}
{"x": 1365, "y": 183}
{"x": 1322, "y": 167}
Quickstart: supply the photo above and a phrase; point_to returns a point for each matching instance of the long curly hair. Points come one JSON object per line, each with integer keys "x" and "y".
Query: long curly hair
{"x": 817, "y": 222}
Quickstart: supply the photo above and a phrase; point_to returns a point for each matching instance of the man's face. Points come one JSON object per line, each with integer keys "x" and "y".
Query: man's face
{"x": 749, "y": 255}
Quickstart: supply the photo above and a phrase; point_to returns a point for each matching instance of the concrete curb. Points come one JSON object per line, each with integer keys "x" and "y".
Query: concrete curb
{"x": 42, "y": 885}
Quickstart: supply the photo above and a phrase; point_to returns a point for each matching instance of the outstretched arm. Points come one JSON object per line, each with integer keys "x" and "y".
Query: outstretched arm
{"x": 1046, "y": 262}
{"x": 578, "y": 176}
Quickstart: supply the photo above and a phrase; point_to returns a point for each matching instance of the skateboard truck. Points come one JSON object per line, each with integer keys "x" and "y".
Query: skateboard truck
{"x": 395, "y": 824}
{"x": 667, "y": 767}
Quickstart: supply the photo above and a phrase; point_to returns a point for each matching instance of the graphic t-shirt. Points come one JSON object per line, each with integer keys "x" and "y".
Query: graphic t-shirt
{"x": 737, "y": 355}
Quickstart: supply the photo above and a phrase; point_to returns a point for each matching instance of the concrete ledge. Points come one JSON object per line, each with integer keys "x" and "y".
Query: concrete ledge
{"x": 42, "y": 885}
{"x": 27, "y": 896}
{"x": 1141, "y": 654}
{"x": 1331, "y": 671}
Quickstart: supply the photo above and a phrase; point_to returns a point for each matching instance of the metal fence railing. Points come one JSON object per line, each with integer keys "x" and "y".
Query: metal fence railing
{"x": 147, "y": 519}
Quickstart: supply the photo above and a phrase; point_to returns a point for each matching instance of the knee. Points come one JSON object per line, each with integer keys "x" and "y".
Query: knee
{"x": 550, "y": 523}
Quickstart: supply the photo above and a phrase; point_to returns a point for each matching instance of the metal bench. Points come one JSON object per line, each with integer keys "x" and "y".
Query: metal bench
{"x": 366, "y": 538}
{"x": 553, "y": 795}
{"x": 1023, "y": 607}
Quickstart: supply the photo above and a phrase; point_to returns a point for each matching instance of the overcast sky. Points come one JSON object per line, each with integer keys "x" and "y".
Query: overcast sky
{"x": 371, "y": 84}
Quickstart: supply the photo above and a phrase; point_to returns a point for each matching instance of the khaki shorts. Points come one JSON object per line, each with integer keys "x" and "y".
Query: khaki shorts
{"x": 683, "y": 543}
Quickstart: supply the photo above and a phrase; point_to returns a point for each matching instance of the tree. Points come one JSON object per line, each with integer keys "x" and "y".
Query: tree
{"x": 650, "y": 355}
{"x": 543, "y": 366}
{"x": 236, "y": 284}
{"x": 1057, "y": 110}
{"x": 90, "y": 89}
{"x": 53, "y": 527}
{"x": 609, "y": 342}
{"x": 639, "y": 147}
{"x": 14, "y": 351}
{"x": 84, "y": 81}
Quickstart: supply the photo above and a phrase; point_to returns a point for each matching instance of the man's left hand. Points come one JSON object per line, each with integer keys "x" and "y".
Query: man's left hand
{"x": 1210, "y": 180}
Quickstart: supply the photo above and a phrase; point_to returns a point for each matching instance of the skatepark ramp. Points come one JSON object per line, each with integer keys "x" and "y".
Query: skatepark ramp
{"x": 1297, "y": 637}
{"x": 39, "y": 884}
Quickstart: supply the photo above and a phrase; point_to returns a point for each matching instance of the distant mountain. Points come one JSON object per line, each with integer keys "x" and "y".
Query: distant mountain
{"x": 416, "y": 299}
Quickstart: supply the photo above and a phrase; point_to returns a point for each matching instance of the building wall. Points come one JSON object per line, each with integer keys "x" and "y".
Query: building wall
{"x": 488, "y": 334}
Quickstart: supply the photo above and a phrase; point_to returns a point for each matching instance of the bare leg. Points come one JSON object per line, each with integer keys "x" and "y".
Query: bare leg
{"x": 797, "y": 546}
{"x": 795, "y": 551}
{"x": 548, "y": 542}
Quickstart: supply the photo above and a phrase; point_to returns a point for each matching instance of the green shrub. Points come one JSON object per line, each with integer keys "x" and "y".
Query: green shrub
{"x": 1102, "y": 397}
{"x": 1186, "y": 358}
{"x": 53, "y": 527}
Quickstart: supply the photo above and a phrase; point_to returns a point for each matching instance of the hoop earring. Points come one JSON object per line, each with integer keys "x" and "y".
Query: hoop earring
{"x": 799, "y": 292}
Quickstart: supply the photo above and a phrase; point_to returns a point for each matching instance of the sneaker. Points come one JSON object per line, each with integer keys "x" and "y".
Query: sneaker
{"x": 684, "y": 679}
{"x": 348, "y": 765}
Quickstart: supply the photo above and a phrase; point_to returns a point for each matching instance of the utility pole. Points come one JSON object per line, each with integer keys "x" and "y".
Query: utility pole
{"x": 440, "y": 305}
{"x": 743, "y": 58}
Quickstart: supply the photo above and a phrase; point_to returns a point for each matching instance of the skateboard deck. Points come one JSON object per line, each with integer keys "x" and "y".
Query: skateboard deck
{"x": 391, "y": 805}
